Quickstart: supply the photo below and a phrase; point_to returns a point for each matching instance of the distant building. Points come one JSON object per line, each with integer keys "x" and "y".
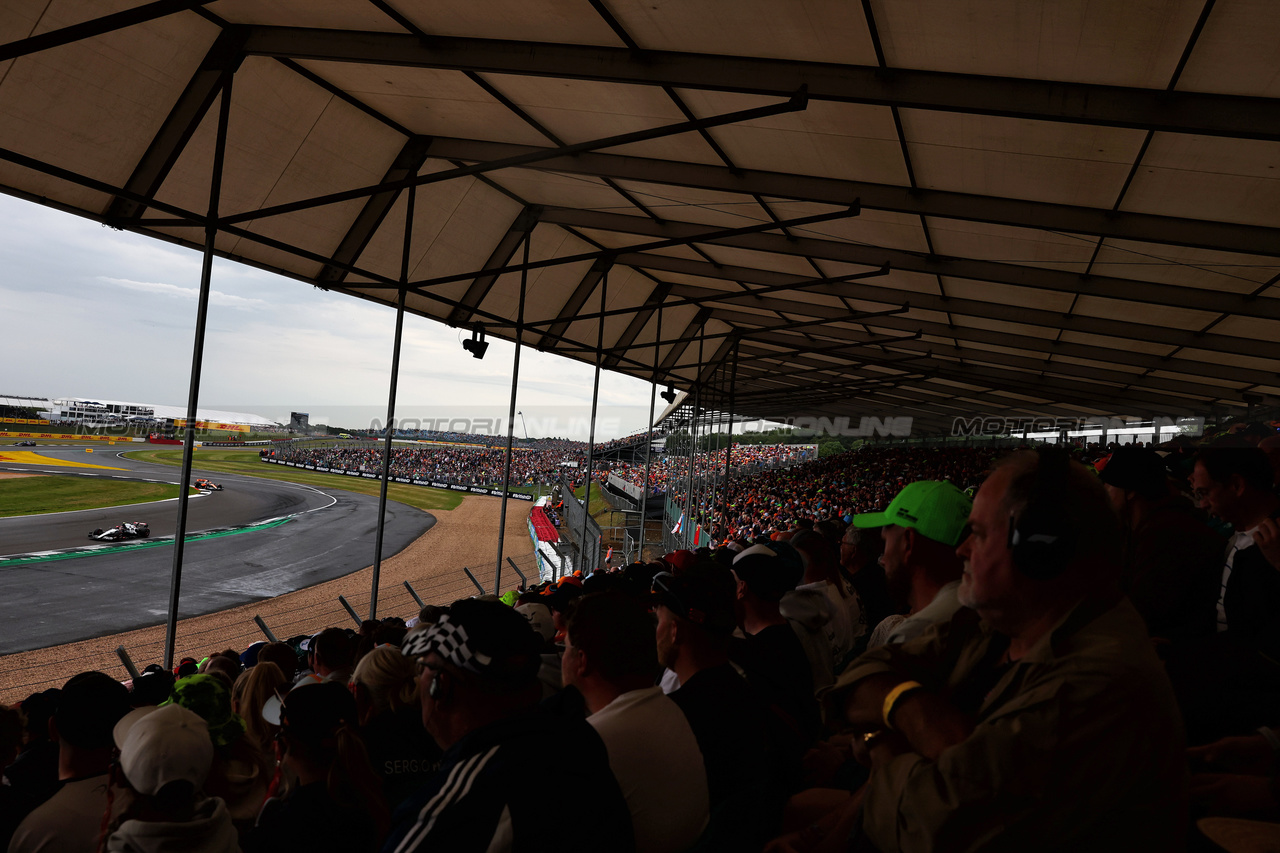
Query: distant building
{"x": 93, "y": 412}
{"x": 299, "y": 421}
{"x": 103, "y": 412}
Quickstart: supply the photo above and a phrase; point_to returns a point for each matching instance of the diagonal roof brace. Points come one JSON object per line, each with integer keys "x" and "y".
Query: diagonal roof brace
{"x": 714, "y": 362}
{"x": 797, "y": 102}
{"x": 696, "y": 235}
{"x": 519, "y": 231}
{"x": 639, "y": 260}
{"x": 1016, "y": 212}
{"x": 406, "y": 164}
{"x": 799, "y": 388}
{"x": 956, "y": 306}
{"x": 96, "y": 27}
{"x": 677, "y": 350}
{"x": 641, "y": 319}
{"x": 834, "y": 349}
{"x": 569, "y": 311}
{"x": 1073, "y": 371}
{"x": 1125, "y": 289}
{"x": 166, "y": 146}
{"x": 1089, "y": 353}
{"x": 850, "y": 366}
{"x": 745, "y": 332}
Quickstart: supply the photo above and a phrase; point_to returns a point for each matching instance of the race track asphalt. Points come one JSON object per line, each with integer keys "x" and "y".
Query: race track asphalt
{"x": 255, "y": 539}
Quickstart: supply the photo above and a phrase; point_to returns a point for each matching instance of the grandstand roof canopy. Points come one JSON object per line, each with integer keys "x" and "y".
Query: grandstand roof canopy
{"x": 925, "y": 208}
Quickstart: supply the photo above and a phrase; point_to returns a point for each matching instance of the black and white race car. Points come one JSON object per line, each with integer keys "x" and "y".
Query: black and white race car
{"x": 121, "y": 532}
{"x": 27, "y": 443}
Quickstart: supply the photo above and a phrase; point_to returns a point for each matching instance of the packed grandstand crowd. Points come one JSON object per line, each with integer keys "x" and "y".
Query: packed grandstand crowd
{"x": 471, "y": 465}
{"x": 562, "y": 444}
{"x": 833, "y": 487}
{"x": 668, "y": 473}
{"x": 868, "y": 660}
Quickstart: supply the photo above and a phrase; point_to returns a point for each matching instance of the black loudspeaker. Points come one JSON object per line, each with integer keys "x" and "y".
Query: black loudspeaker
{"x": 1040, "y": 539}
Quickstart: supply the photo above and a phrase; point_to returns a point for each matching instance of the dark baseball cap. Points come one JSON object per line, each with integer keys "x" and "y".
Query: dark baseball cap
{"x": 765, "y": 573}
{"x": 89, "y": 707}
{"x": 703, "y": 594}
{"x": 1137, "y": 469}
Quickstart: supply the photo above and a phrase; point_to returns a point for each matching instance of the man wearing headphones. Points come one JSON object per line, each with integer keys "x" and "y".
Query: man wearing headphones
{"x": 1039, "y": 717}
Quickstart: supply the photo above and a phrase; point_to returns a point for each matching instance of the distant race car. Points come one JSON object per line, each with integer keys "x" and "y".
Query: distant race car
{"x": 121, "y": 532}
{"x": 202, "y": 483}
{"x": 27, "y": 443}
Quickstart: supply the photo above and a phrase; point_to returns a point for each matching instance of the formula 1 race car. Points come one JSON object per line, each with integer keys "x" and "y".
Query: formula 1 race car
{"x": 121, "y": 532}
{"x": 208, "y": 485}
{"x": 26, "y": 443}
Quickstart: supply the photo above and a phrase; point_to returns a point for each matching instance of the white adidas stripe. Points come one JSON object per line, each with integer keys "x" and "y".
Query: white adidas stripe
{"x": 457, "y": 786}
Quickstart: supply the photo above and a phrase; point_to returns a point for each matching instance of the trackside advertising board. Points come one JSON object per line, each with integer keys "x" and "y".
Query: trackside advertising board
{"x": 408, "y": 481}
{"x": 180, "y": 423}
{"x": 67, "y": 436}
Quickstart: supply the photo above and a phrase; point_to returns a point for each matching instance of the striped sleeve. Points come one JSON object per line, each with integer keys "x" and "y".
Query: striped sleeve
{"x": 457, "y": 786}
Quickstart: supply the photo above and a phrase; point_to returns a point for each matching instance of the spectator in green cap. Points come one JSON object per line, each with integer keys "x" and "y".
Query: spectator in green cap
{"x": 241, "y": 770}
{"x": 921, "y": 529}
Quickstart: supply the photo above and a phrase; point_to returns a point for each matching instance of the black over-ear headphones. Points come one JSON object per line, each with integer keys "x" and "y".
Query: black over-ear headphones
{"x": 1041, "y": 538}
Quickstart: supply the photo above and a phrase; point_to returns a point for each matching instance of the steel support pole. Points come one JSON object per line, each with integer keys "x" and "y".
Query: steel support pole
{"x": 699, "y": 434}
{"x": 511, "y": 417}
{"x": 591, "y": 440}
{"x": 686, "y": 533}
{"x": 713, "y": 452}
{"x": 197, "y": 363}
{"x": 728, "y": 451}
{"x": 700, "y": 482}
{"x": 391, "y": 405}
{"x": 648, "y": 448}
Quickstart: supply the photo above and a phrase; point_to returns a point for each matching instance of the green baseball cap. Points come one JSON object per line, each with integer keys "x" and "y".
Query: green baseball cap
{"x": 934, "y": 508}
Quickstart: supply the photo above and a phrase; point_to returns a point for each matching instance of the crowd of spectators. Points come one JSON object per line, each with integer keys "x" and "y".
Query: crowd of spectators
{"x": 835, "y": 487}
{"x": 889, "y": 650}
{"x": 467, "y": 466}
{"x": 545, "y": 462}
{"x": 669, "y": 472}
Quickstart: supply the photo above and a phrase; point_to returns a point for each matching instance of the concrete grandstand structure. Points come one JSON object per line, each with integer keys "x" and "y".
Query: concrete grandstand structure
{"x": 919, "y": 211}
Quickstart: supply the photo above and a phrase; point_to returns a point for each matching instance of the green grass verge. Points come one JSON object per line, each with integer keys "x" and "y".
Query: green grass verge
{"x": 235, "y": 461}
{"x": 51, "y": 493}
{"x": 599, "y": 507}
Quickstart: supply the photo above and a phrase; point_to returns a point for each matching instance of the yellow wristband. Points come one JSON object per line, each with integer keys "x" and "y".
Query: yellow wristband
{"x": 892, "y": 698}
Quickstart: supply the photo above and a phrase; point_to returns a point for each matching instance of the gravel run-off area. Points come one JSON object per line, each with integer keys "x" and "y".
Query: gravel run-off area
{"x": 466, "y": 536}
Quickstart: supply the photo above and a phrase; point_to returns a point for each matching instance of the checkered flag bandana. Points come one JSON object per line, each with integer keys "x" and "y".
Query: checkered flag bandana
{"x": 450, "y": 642}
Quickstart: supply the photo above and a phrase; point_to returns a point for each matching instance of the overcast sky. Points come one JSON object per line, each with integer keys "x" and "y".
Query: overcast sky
{"x": 86, "y": 311}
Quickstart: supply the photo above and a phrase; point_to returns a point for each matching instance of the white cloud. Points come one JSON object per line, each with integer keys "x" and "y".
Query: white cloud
{"x": 112, "y": 315}
{"x": 216, "y": 297}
